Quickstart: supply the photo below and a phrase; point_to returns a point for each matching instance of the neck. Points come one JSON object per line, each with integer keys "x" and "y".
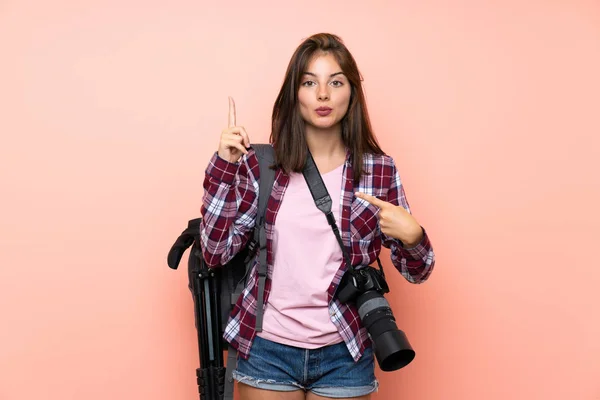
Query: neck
{"x": 325, "y": 143}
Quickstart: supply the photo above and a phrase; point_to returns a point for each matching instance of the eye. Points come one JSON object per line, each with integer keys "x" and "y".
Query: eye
{"x": 308, "y": 83}
{"x": 337, "y": 83}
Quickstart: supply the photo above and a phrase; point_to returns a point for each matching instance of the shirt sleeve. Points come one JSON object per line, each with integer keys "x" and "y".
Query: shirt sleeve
{"x": 229, "y": 207}
{"x": 415, "y": 263}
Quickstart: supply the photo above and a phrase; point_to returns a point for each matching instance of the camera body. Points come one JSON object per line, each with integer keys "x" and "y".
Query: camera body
{"x": 366, "y": 287}
{"x": 358, "y": 281}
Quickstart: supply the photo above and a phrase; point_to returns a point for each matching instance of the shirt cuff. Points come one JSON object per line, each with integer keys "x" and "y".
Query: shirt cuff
{"x": 420, "y": 250}
{"x": 222, "y": 170}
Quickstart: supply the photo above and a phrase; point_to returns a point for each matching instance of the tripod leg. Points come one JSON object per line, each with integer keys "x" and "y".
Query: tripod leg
{"x": 209, "y": 321}
{"x": 212, "y": 380}
{"x": 215, "y": 300}
{"x": 202, "y": 378}
{"x": 211, "y": 374}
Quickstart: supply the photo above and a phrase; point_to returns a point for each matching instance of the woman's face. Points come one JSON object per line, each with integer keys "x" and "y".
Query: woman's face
{"x": 324, "y": 92}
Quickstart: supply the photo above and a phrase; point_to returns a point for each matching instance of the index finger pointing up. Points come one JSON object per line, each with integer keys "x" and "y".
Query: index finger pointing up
{"x": 231, "y": 112}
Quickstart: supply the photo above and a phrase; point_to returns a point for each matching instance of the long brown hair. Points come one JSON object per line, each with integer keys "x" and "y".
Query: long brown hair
{"x": 288, "y": 131}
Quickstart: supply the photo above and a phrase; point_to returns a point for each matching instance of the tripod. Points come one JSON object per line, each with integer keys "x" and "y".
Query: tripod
{"x": 204, "y": 283}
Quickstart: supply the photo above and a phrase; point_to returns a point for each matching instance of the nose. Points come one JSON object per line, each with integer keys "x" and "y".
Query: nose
{"x": 323, "y": 93}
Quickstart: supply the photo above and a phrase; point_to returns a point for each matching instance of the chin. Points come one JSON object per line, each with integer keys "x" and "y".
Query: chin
{"x": 324, "y": 124}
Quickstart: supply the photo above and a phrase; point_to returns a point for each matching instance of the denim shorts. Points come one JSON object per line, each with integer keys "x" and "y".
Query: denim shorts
{"x": 328, "y": 371}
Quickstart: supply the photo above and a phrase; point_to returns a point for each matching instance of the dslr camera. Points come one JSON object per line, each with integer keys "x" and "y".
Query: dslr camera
{"x": 366, "y": 287}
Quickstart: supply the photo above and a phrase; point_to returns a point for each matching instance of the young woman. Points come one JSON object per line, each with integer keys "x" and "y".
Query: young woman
{"x": 311, "y": 346}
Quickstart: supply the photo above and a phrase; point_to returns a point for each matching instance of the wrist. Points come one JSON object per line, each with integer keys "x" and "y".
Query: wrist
{"x": 414, "y": 240}
{"x": 228, "y": 158}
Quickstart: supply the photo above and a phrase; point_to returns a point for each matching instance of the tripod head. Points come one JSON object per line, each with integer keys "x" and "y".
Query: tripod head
{"x": 185, "y": 240}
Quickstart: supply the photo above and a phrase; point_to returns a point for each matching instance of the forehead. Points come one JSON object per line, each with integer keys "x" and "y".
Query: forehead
{"x": 323, "y": 63}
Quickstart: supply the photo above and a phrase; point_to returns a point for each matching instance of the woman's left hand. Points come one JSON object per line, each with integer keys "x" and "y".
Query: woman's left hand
{"x": 395, "y": 221}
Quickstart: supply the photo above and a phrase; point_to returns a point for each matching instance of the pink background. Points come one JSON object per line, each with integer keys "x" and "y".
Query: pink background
{"x": 110, "y": 111}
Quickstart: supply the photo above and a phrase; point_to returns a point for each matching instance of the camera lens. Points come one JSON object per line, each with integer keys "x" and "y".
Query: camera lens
{"x": 392, "y": 349}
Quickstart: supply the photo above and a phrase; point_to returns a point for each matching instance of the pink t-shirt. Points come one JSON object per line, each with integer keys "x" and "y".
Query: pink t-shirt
{"x": 307, "y": 256}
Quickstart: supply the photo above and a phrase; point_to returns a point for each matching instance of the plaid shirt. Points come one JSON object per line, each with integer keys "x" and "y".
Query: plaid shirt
{"x": 229, "y": 209}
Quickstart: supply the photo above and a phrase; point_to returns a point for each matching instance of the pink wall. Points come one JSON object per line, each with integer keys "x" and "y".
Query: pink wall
{"x": 110, "y": 111}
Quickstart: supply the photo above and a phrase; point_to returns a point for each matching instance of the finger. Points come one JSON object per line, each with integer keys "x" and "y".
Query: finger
{"x": 232, "y": 137}
{"x": 235, "y": 144}
{"x": 371, "y": 199}
{"x": 240, "y": 132}
{"x": 234, "y": 133}
{"x": 231, "y": 112}
{"x": 244, "y": 135}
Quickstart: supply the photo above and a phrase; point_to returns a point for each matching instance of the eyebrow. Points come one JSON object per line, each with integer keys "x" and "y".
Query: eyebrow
{"x": 331, "y": 76}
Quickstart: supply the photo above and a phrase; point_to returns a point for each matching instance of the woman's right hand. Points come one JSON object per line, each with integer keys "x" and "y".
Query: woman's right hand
{"x": 234, "y": 139}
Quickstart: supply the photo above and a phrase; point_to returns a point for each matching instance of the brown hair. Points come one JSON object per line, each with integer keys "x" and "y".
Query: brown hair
{"x": 287, "y": 131}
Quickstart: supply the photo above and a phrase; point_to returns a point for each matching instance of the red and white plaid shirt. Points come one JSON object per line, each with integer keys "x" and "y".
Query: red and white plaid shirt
{"x": 229, "y": 209}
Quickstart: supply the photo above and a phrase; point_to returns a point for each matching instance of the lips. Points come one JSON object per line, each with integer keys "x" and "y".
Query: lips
{"x": 323, "y": 111}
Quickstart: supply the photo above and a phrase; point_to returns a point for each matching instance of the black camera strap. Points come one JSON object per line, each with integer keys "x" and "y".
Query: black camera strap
{"x": 323, "y": 201}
